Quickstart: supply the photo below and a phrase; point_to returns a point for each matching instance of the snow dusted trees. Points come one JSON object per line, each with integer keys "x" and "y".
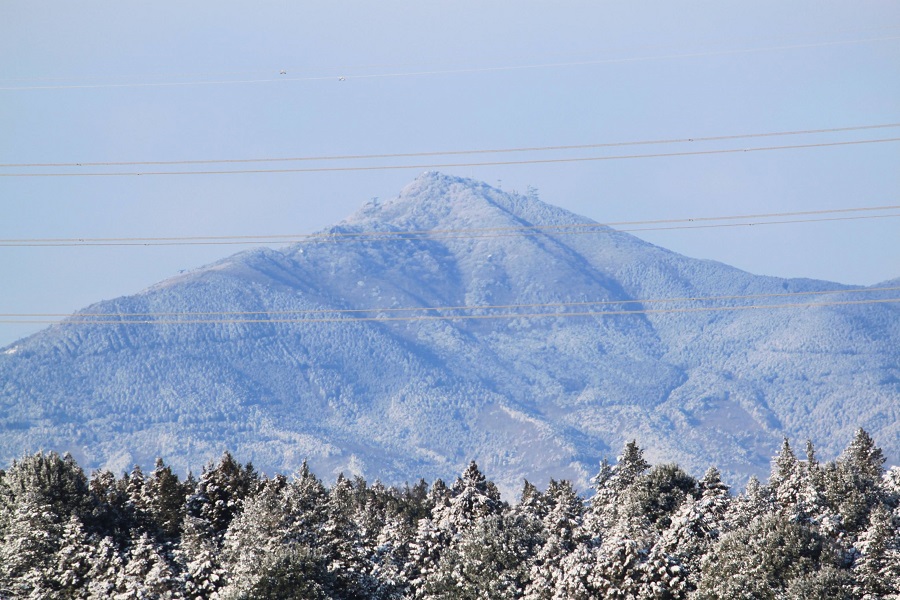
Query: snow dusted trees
{"x": 815, "y": 530}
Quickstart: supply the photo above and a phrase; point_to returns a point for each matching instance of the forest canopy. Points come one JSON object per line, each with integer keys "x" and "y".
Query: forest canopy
{"x": 814, "y": 530}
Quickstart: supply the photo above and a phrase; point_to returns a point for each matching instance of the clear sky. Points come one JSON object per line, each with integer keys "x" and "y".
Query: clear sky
{"x": 614, "y": 71}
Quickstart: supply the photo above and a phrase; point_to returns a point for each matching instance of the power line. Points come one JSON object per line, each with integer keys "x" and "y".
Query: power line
{"x": 451, "y": 152}
{"x": 460, "y": 317}
{"x": 461, "y": 233}
{"x": 344, "y": 77}
{"x": 458, "y": 165}
{"x": 324, "y": 240}
{"x": 463, "y": 307}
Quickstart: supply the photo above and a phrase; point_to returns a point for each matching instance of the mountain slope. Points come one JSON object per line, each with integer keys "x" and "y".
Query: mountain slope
{"x": 404, "y": 398}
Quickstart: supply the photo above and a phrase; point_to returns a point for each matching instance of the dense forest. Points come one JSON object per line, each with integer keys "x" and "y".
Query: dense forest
{"x": 815, "y": 530}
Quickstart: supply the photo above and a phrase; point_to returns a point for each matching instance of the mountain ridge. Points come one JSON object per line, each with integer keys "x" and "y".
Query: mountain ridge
{"x": 526, "y": 397}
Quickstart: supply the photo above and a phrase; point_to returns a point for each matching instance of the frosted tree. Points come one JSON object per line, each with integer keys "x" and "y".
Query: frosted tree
{"x": 30, "y": 535}
{"x": 342, "y": 542}
{"x": 787, "y": 483}
{"x": 220, "y": 493}
{"x": 257, "y": 537}
{"x": 489, "y": 559}
{"x": 73, "y": 561}
{"x": 877, "y": 569}
{"x": 163, "y": 498}
{"x": 200, "y": 560}
{"x": 391, "y": 555}
{"x": 853, "y": 484}
{"x": 672, "y": 568}
{"x": 609, "y": 486}
{"x": 561, "y": 530}
{"x": 107, "y": 569}
{"x": 147, "y": 573}
{"x": 762, "y": 559}
{"x": 471, "y": 499}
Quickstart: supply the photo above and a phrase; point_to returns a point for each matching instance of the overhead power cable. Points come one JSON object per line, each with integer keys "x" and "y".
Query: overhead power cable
{"x": 76, "y": 321}
{"x": 459, "y": 233}
{"x": 457, "y": 165}
{"x": 345, "y": 157}
{"x": 343, "y": 77}
{"x": 479, "y": 307}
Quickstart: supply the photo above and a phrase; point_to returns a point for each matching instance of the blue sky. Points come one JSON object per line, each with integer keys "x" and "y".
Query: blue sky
{"x": 659, "y": 70}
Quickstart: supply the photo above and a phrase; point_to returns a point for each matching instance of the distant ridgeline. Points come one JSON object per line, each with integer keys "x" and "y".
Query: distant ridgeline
{"x": 814, "y": 531}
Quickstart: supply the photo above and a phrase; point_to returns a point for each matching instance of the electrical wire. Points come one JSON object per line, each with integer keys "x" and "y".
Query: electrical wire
{"x": 346, "y": 77}
{"x": 459, "y": 165}
{"x": 75, "y": 321}
{"x": 472, "y": 307}
{"x": 465, "y": 307}
{"x": 461, "y": 233}
{"x": 450, "y": 152}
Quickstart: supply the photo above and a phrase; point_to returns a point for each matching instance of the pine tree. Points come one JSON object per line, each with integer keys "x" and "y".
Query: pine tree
{"x": 877, "y": 569}
{"x": 788, "y": 484}
{"x": 258, "y": 536}
{"x": 561, "y": 533}
{"x": 200, "y": 560}
{"x": 488, "y": 560}
{"x": 762, "y": 559}
{"x": 163, "y": 498}
{"x": 392, "y": 553}
{"x": 610, "y": 485}
{"x": 107, "y": 570}
{"x": 147, "y": 573}
{"x": 672, "y": 569}
{"x": 73, "y": 561}
{"x": 30, "y": 536}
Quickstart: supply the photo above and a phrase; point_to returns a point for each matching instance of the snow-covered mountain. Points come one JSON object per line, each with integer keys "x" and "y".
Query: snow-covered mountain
{"x": 401, "y": 399}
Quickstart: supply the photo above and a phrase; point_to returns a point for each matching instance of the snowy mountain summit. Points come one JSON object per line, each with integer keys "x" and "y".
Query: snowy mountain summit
{"x": 458, "y": 322}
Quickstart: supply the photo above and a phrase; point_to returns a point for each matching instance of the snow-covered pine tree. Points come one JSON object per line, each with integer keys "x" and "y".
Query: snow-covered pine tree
{"x": 672, "y": 569}
{"x": 73, "y": 561}
{"x": 30, "y": 536}
{"x": 220, "y": 493}
{"x": 877, "y": 568}
{"x": 163, "y": 498}
{"x": 609, "y": 486}
{"x": 788, "y": 483}
{"x": 561, "y": 511}
{"x": 148, "y": 573}
{"x": 763, "y": 559}
{"x": 38, "y": 496}
{"x": 199, "y": 557}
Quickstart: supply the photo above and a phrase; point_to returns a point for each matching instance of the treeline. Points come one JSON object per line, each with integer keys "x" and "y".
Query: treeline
{"x": 815, "y": 530}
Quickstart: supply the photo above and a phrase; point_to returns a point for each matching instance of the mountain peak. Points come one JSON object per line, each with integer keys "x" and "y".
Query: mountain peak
{"x": 436, "y": 200}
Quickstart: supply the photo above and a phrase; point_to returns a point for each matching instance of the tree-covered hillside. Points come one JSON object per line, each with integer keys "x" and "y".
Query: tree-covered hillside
{"x": 815, "y": 530}
{"x": 387, "y": 347}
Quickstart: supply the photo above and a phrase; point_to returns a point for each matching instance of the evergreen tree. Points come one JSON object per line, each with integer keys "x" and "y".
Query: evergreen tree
{"x": 147, "y": 573}
{"x": 610, "y": 485}
{"x": 220, "y": 493}
{"x": 73, "y": 561}
{"x": 762, "y": 559}
{"x": 561, "y": 532}
{"x": 877, "y": 569}
{"x": 787, "y": 484}
{"x": 200, "y": 560}
{"x": 107, "y": 569}
{"x": 163, "y": 499}
{"x": 30, "y": 536}
{"x": 488, "y": 560}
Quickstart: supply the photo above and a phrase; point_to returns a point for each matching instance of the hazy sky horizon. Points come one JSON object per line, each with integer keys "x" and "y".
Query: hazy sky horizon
{"x": 109, "y": 82}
